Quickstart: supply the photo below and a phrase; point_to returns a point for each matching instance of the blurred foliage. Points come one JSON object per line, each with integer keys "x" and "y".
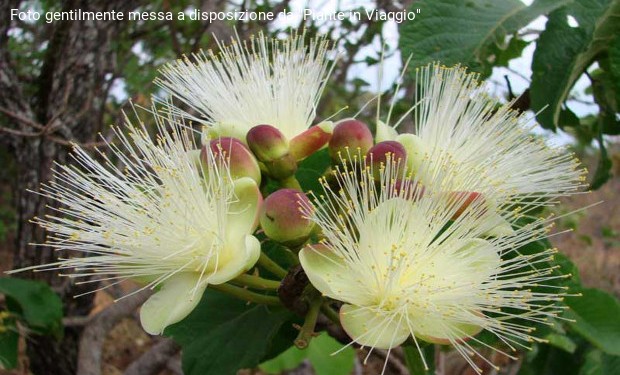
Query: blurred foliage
{"x": 581, "y": 37}
{"x": 31, "y": 305}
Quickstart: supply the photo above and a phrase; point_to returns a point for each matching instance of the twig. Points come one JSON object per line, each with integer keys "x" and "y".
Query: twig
{"x": 392, "y": 361}
{"x": 91, "y": 342}
{"x": 153, "y": 360}
{"x": 174, "y": 365}
{"x": 76, "y": 321}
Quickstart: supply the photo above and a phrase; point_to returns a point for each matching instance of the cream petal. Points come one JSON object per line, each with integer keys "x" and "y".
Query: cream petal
{"x": 416, "y": 149}
{"x": 367, "y": 328}
{"x": 444, "y": 332}
{"x": 385, "y": 132}
{"x": 239, "y": 257}
{"x": 222, "y": 129}
{"x": 321, "y": 265}
{"x": 242, "y": 217}
{"x": 481, "y": 256}
{"x": 499, "y": 226}
{"x": 177, "y": 297}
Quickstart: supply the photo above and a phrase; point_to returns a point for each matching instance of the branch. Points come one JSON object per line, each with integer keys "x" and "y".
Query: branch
{"x": 91, "y": 342}
{"x": 153, "y": 360}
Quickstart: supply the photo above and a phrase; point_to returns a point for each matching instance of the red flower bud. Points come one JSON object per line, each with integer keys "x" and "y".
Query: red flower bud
{"x": 282, "y": 220}
{"x": 310, "y": 141}
{"x": 240, "y": 160}
{"x": 387, "y": 152}
{"x": 349, "y": 136}
{"x": 267, "y": 143}
{"x": 462, "y": 200}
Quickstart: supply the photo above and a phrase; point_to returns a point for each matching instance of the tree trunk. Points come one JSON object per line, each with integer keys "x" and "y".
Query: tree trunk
{"x": 66, "y": 107}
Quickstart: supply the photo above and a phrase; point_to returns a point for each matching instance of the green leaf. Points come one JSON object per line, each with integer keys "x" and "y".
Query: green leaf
{"x": 311, "y": 169}
{"x": 599, "y": 363}
{"x": 562, "y": 342}
{"x": 457, "y": 31}
{"x": 238, "y": 343}
{"x": 221, "y": 327}
{"x": 8, "y": 347}
{"x": 214, "y": 309}
{"x": 35, "y": 303}
{"x": 603, "y": 167}
{"x": 548, "y": 360}
{"x": 596, "y": 316}
{"x": 563, "y": 52}
{"x": 319, "y": 353}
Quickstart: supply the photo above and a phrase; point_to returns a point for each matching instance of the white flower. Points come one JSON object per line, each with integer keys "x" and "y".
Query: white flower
{"x": 163, "y": 218}
{"x": 263, "y": 81}
{"x": 404, "y": 266}
{"x": 488, "y": 147}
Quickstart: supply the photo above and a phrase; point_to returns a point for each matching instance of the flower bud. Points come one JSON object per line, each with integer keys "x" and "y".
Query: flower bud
{"x": 239, "y": 158}
{"x": 384, "y": 153}
{"x": 349, "y": 136}
{"x": 312, "y": 140}
{"x": 267, "y": 143}
{"x": 282, "y": 219}
{"x": 462, "y": 200}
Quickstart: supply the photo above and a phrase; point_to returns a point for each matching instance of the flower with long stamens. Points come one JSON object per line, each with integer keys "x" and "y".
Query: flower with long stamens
{"x": 459, "y": 129}
{"x": 163, "y": 218}
{"x": 263, "y": 81}
{"x": 404, "y": 266}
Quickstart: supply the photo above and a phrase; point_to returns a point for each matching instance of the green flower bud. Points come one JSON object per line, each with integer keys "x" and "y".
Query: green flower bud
{"x": 282, "y": 219}
{"x": 241, "y": 161}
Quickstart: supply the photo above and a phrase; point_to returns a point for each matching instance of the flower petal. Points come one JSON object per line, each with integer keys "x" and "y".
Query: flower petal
{"x": 385, "y": 132}
{"x": 242, "y": 216}
{"x": 499, "y": 226}
{"x": 416, "y": 151}
{"x": 365, "y": 327}
{"x": 445, "y": 332}
{"x": 237, "y": 257}
{"x": 177, "y": 297}
{"x": 481, "y": 256}
{"x": 320, "y": 265}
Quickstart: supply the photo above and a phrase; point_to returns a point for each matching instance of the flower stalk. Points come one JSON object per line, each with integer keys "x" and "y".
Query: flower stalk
{"x": 256, "y": 282}
{"x": 271, "y": 266}
{"x": 246, "y": 295}
{"x": 307, "y": 330}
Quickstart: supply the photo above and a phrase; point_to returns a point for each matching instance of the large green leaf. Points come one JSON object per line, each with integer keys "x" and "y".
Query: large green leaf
{"x": 319, "y": 353}
{"x": 224, "y": 334}
{"x": 239, "y": 343}
{"x": 564, "y": 52}
{"x": 466, "y": 32}
{"x": 597, "y": 319}
{"x": 214, "y": 309}
{"x": 35, "y": 303}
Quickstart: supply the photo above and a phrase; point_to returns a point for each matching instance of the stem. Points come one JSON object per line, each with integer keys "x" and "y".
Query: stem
{"x": 307, "y": 330}
{"x": 330, "y": 313}
{"x": 291, "y": 182}
{"x": 271, "y": 266}
{"x": 256, "y": 282}
{"x": 246, "y": 294}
